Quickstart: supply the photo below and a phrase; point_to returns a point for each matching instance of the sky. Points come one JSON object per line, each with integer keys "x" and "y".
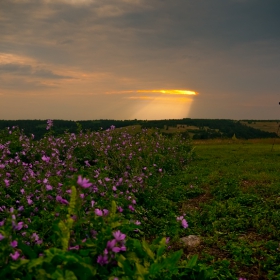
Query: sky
{"x": 139, "y": 59}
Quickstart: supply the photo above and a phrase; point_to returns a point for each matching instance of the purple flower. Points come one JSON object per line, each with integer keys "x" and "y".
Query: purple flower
{"x": 184, "y": 223}
{"x": 111, "y": 244}
{"x": 137, "y": 223}
{"x": 15, "y": 256}
{"x": 119, "y": 236}
{"x": 29, "y": 201}
{"x": 83, "y": 182}
{"x": 61, "y": 200}
{"x": 7, "y": 182}
{"x": 106, "y": 212}
{"x": 98, "y": 212}
{"x": 120, "y": 209}
{"x": 131, "y": 208}
{"x": 49, "y": 124}
{"x": 14, "y": 243}
{"x": 102, "y": 260}
{"x": 45, "y": 158}
{"x": 19, "y": 226}
{"x": 77, "y": 247}
{"x": 92, "y": 203}
{"x": 49, "y": 187}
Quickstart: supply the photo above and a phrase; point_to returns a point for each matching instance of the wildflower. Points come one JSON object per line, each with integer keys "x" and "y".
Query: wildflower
{"x": 111, "y": 244}
{"x": 49, "y": 187}
{"x": 106, "y": 212}
{"x": 184, "y": 223}
{"x": 131, "y": 208}
{"x": 118, "y": 235}
{"x": 77, "y": 247}
{"x": 92, "y": 203}
{"x": 102, "y": 259}
{"x": 45, "y": 158}
{"x": 29, "y": 201}
{"x": 14, "y": 243}
{"x": 15, "y": 256}
{"x": 98, "y": 212}
{"x": 7, "y": 182}
{"x": 49, "y": 124}
{"x": 61, "y": 200}
{"x": 137, "y": 223}
{"x": 120, "y": 209}
{"x": 83, "y": 182}
{"x": 19, "y": 226}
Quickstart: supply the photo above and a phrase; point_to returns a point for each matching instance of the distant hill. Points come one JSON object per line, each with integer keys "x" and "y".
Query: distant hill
{"x": 194, "y": 128}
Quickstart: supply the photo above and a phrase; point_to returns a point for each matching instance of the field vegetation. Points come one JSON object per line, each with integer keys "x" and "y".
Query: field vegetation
{"x": 115, "y": 204}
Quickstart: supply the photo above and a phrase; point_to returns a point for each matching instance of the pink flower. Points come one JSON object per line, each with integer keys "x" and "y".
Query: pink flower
{"x": 119, "y": 236}
{"x": 83, "y": 182}
{"x": 49, "y": 187}
{"x": 184, "y": 223}
{"x": 98, "y": 212}
{"x": 131, "y": 208}
{"x": 102, "y": 260}
{"x": 45, "y": 158}
{"x": 61, "y": 200}
{"x": 15, "y": 256}
{"x": 29, "y": 201}
{"x": 14, "y": 243}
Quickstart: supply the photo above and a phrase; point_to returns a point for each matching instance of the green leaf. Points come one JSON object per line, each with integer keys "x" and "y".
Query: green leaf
{"x": 115, "y": 224}
{"x": 113, "y": 208}
{"x": 147, "y": 249}
{"x": 192, "y": 262}
{"x": 142, "y": 271}
{"x": 171, "y": 261}
{"x": 69, "y": 275}
{"x": 27, "y": 251}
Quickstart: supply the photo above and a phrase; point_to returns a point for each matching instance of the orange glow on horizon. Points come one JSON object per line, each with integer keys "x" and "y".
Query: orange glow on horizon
{"x": 160, "y": 91}
{"x": 170, "y": 91}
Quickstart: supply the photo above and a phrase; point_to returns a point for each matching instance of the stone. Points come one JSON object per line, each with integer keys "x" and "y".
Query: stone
{"x": 190, "y": 241}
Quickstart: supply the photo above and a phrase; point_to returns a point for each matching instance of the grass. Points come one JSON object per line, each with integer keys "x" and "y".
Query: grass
{"x": 237, "y": 211}
{"x": 269, "y": 126}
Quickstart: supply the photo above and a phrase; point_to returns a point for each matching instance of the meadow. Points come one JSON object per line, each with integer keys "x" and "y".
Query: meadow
{"x": 114, "y": 204}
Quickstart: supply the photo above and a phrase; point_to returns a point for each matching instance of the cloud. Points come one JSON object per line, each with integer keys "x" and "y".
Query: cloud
{"x": 28, "y": 70}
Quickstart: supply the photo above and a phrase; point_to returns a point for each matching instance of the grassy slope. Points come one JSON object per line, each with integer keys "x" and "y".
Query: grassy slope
{"x": 238, "y": 214}
{"x": 269, "y": 126}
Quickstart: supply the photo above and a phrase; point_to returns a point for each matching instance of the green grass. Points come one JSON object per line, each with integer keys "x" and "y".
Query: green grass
{"x": 234, "y": 207}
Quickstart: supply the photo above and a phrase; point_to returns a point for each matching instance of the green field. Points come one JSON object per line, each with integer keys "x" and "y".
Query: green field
{"x": 237, "y": 214}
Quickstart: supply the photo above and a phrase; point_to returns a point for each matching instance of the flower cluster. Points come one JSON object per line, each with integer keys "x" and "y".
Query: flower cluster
{"x": 184, "y": 223}
{"x": 113, "y": 247}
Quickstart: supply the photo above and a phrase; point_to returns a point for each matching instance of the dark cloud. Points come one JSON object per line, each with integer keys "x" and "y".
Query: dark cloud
{"x": 28, "y": 70}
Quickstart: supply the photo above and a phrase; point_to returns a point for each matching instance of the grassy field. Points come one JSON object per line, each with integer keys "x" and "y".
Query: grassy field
{"x": 236, "y": 211}
{"x": 269, "y": 126}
